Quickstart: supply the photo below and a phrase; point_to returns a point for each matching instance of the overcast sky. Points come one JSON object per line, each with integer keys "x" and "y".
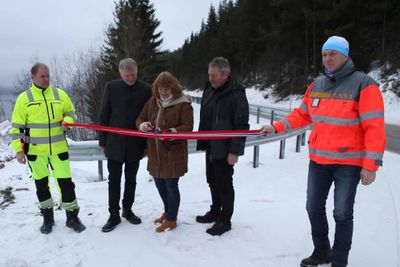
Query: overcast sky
{"x": 45, "y": 29}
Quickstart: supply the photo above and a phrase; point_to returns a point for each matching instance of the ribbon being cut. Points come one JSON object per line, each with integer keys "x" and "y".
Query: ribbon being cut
{"x": 209, "y": 135}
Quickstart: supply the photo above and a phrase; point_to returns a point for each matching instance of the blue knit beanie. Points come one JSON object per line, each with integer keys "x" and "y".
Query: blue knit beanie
{"x": 337, "y": 43}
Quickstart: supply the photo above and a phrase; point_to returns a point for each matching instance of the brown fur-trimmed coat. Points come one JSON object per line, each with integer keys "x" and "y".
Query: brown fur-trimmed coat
{"x": 167, "y": 158}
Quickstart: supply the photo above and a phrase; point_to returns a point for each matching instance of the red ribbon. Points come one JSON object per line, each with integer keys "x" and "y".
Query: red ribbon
{"x": 203, "y": 135}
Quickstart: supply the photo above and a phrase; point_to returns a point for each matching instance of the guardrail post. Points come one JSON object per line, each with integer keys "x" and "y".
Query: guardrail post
{"x": 258, "y": 114}
{"x": 298, "y": 142}
{"x": 100, "y": 168}
{"x": 272, "y": 116}
{"x": 256, "y": 157}
{"x": 282, "y": 149}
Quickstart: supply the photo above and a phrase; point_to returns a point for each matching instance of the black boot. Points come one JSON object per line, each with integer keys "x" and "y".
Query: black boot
{"x": 209, "y": 217}
{"x": 219, "y": 227}
{"x": 73, "y": 221}
{"x": 131, "y": 217}
{"x": 336, "y": 265}
{"x": 48, "y": 221}
{"x": 111, "y": 223}
{"x": 316, "y": 258}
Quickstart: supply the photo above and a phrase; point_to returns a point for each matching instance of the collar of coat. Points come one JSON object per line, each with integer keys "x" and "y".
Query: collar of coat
{"x": 182, "y": 99}
{"x": 345, "y": 70}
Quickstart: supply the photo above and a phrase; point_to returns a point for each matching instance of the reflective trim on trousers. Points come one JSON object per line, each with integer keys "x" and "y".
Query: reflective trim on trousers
{"x": 47, "y": 204}
{"x": 70, "y": 206}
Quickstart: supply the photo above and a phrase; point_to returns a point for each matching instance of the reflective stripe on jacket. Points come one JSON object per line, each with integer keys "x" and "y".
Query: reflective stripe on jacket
{"x": 348, "y": 116}
{"x": 37, "y": 118}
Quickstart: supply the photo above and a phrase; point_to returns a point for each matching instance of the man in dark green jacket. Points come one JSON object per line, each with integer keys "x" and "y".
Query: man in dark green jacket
{"x": 224, "y": 106}
{"x": 121, "y": 104}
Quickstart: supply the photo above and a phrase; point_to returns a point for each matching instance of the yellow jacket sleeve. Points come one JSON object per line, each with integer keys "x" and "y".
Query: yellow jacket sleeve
{"x": 18, "y": 121}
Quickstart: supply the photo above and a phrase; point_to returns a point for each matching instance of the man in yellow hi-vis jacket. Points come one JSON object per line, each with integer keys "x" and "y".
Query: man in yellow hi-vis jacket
{"x": 38, "y": 135}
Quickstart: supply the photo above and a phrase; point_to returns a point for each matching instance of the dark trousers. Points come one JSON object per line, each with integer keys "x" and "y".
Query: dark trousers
{"x": 114, "y": 185}
{"x": 219, "y": 177}
{"x": 320, "y": 179}
{"x": 169, "y": 193}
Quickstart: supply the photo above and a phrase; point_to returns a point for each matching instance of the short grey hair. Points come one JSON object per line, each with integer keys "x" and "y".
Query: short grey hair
{"x": 36, "y": 67}
{"x": 221, "y": 63}
{"x": 127, "y": 64}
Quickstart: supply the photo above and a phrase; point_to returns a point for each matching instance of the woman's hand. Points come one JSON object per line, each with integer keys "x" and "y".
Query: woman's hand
{"x": 146, "y": 127}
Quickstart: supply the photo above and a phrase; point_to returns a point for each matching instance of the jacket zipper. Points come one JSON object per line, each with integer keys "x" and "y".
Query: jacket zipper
{"x": 48, "y": 117}
{"x": 157, "y": 142}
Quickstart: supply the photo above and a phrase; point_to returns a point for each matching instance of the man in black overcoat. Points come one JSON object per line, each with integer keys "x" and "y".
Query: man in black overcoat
{"x": 122, "y": 102}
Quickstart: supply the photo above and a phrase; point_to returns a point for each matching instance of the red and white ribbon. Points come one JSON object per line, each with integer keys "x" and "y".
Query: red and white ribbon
{"x": 203, "y": 135}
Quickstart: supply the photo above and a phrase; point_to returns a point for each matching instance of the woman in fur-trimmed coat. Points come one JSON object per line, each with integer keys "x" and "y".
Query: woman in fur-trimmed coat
{"x": 167, "y": 110}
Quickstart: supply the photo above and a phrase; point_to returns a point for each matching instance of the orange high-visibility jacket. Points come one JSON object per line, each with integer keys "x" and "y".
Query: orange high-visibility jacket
{"x": 348, "y": 116}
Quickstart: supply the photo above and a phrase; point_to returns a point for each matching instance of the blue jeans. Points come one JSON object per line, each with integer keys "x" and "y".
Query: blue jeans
{"x": 346, "y": 179}
{"x": 169, "y": 193}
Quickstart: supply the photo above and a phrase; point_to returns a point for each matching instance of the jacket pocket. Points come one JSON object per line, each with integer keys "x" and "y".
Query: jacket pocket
{"x": 63, "y": 156}
{"x": 31, "y": 157}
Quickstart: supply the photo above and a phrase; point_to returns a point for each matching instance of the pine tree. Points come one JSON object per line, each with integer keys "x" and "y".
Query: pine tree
{"x": 133, "y": 34}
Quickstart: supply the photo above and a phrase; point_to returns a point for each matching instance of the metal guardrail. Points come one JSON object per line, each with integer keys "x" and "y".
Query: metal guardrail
{"x": 90, "y": 150}
{"x": 259, "y": 111}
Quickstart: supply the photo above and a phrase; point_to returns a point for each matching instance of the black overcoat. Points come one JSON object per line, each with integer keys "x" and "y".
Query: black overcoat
{"x": 121, "y": 105}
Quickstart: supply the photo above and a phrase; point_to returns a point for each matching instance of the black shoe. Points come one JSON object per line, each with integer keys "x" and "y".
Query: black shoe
{"x": 111, "y": 223}
{"x": 336, "y": 265}
{"x": 316, "y": 258}
{"x": 209, "y": 217}
{"x": 219, "y": 228}
{"x": 73, "y": 221}
{"x": 131, "y": 217}
{"x": 48, "y": 221}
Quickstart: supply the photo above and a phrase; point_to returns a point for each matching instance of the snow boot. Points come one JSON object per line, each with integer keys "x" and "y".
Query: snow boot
{"x": 111, "y": 223}
{"x": 73, "y": 221}
{"x": 131, "y": 217}
{"x": 219, "y": 227}
{"x": 166, "y": 225}
{"x": 161, "y": 219}
{"x": 48, "y": 221}
{"x": 317, "y": 257}
{"x": 209, "y": 217}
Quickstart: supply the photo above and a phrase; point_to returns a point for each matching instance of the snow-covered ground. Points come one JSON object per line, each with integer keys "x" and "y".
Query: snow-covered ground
{"x": 270, "y": 224}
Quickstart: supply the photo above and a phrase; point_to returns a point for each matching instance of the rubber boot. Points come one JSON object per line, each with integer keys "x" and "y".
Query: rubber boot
{"x": 73, "y": 221}
{"x": 48, "y": 221}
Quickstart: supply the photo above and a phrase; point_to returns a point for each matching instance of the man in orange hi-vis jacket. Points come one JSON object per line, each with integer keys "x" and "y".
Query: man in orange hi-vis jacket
{"x": 346, "y": 145}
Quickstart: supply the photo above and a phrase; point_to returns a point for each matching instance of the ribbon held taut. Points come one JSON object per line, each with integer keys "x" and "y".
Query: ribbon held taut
{"x": 203, "y": 135}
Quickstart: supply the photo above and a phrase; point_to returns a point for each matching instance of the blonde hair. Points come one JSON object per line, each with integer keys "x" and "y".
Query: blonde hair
{"x": 167, "y": 80}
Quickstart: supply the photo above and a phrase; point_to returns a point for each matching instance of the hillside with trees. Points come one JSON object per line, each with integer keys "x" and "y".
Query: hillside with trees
{"x": 278, "y": 42}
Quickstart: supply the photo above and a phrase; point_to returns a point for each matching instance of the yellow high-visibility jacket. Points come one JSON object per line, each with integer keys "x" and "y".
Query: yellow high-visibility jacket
{"x": 37, "y": 118}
